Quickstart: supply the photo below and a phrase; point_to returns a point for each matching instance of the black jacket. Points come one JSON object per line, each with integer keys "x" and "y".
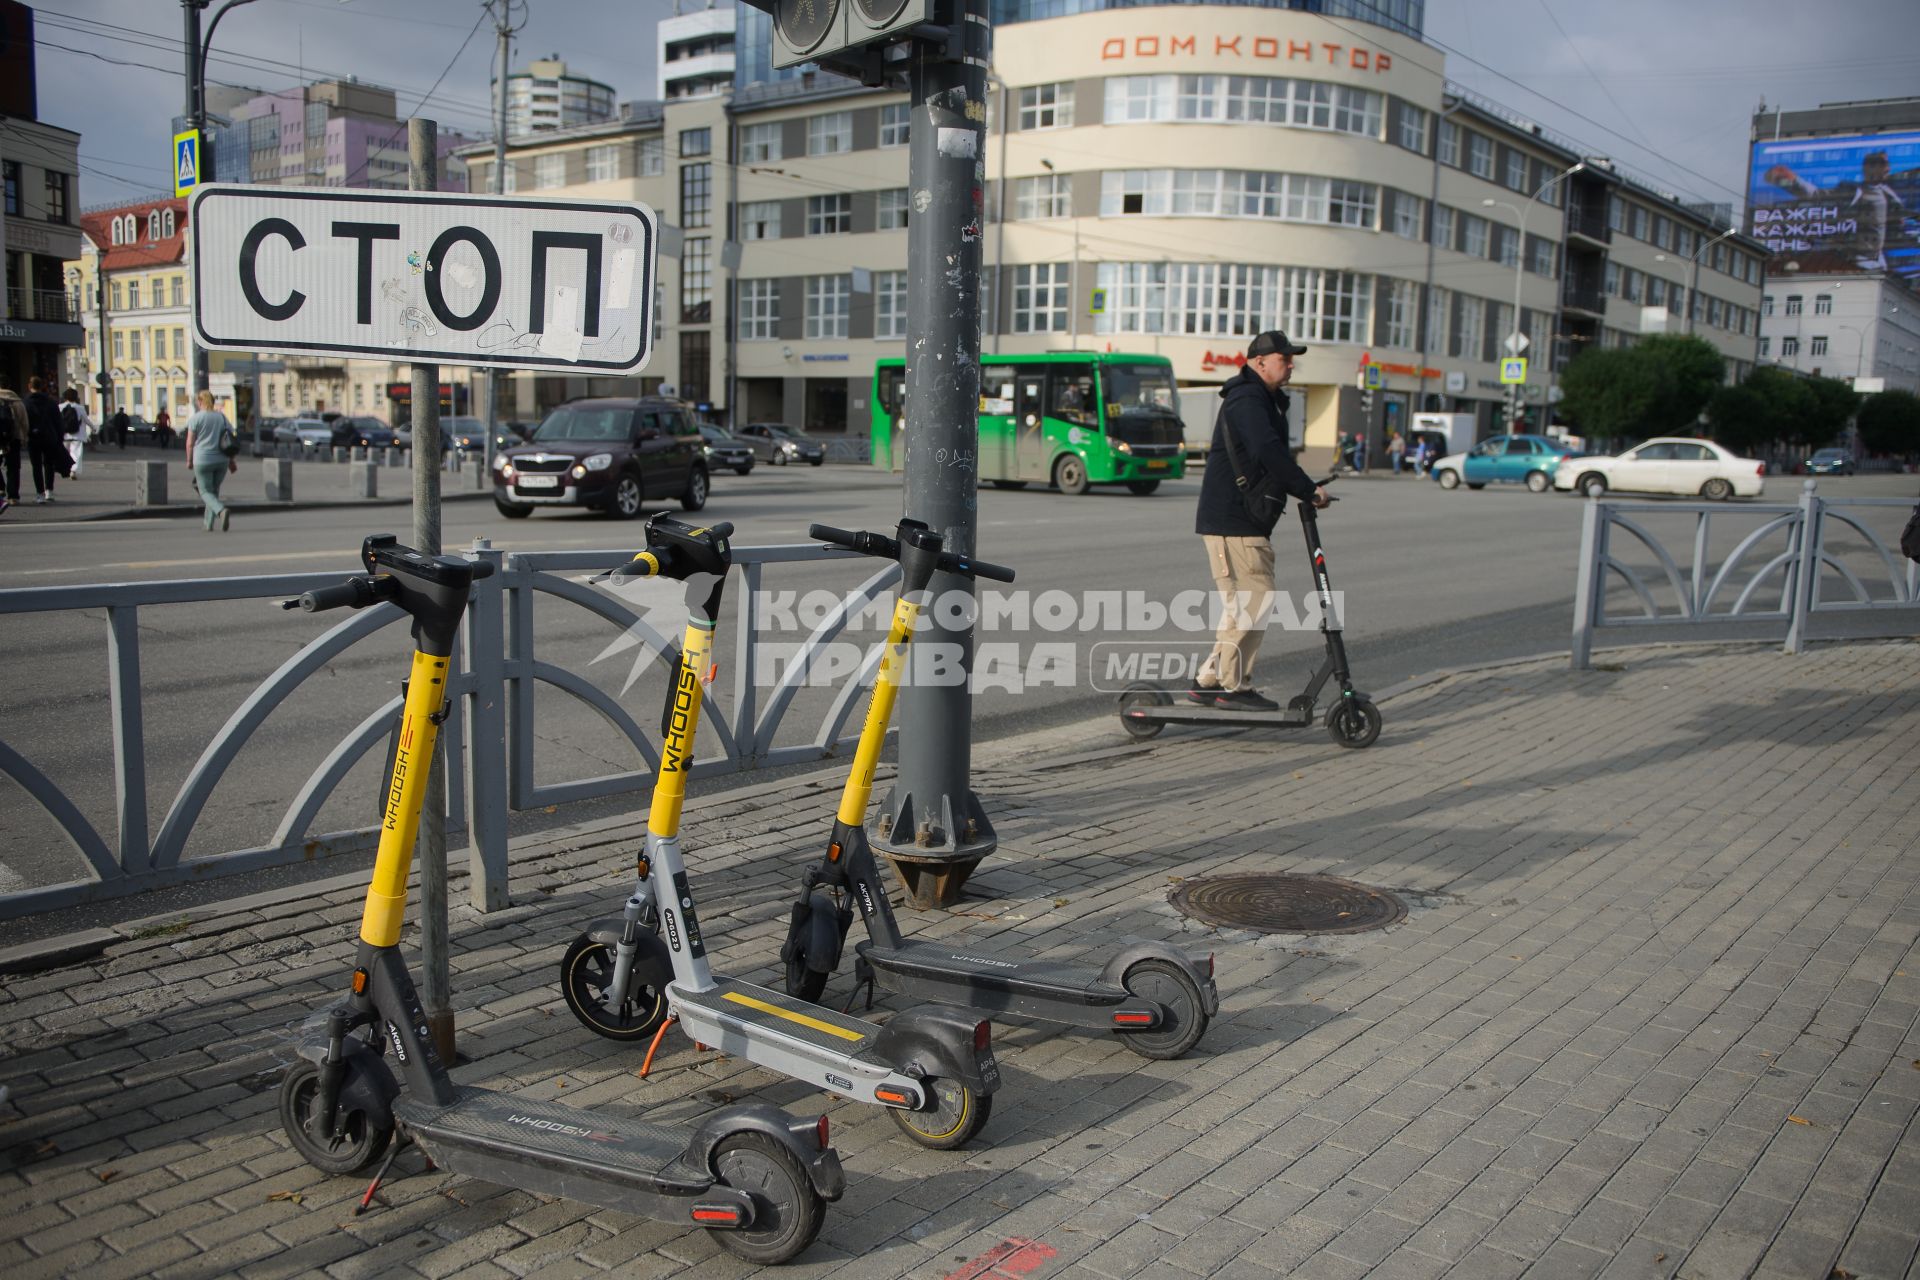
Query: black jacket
{"x": 1258, "y": 420}
{"x": 43, "y": 418}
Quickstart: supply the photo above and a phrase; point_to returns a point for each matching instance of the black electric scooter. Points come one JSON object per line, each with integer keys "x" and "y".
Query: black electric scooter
{"x": 1352, "y": 721}
{"x": 755, "y": 1176}
{"x": 1157, "y": 1000}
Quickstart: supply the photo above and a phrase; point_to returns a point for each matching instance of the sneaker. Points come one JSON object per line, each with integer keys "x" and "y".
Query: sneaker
{"x": 41, "y": 498}
{"x": 226, "y": 520}
{"x": 1246, "y": 700}
{"x": 1205, "y": 694}
{"x": 4, "y": 503}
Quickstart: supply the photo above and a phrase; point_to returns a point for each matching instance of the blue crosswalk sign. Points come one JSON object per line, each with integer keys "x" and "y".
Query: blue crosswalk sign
{"x": 186, "y": 162}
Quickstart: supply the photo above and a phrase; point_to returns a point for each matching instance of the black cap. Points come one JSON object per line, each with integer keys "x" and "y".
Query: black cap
{"x": 1271, "y": 343}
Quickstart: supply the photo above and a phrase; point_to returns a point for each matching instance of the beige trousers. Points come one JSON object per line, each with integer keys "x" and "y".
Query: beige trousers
{"x": 1243, "y": 575}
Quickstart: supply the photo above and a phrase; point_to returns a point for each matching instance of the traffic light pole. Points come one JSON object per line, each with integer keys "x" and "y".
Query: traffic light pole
{"x": 931, "y": 825}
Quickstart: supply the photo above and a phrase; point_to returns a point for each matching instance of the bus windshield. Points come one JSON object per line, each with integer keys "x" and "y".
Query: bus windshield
{"x": 1140, "y": 390}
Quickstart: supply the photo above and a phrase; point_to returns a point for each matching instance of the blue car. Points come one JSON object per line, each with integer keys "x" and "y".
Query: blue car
{"x": 1515, "y": 459}
{"x": 1830, "y": 462}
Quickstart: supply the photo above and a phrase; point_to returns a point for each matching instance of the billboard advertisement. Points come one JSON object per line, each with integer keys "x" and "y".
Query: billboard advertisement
{"x": 1844, "y": 203}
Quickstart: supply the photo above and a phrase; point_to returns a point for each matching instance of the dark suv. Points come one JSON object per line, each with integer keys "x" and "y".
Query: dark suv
{"x": 610, "y": 454}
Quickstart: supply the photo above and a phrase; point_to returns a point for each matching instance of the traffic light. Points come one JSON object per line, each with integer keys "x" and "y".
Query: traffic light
{"x": 841, "y": 35}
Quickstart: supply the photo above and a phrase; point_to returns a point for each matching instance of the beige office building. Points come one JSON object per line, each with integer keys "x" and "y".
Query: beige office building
{"x": 1163, "y": 179}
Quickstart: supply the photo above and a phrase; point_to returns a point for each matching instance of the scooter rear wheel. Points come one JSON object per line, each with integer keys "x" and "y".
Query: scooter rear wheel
{"x": 586, "y": 977}
{"x": 1139, "y": 728}
{"x": 1353, "y": 722}
{"x": 957, "y": 1114}
{"x": 1183, "y": 1010}
{"x": 787, "y": 1211}
{"x": 362, "y": 1140}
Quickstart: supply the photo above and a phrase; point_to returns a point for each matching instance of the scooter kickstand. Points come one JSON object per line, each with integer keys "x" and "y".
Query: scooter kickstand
{"x": 862, "y": 979}
{"x": 381, "y": 1176}
{"x": 646, "y": 1064}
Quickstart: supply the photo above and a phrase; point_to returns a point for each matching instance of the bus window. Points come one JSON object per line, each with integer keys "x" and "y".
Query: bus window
{"x": 892, "y": 383}
{"x": 1074, "y": 399}
{"x": 996, "y": 393}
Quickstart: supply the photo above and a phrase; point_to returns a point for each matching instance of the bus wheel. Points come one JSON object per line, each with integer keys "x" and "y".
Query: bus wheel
{"x": 1142, "y": 487}
{"x": 1009, "y": 484}
{"x": 1070, "y": 475}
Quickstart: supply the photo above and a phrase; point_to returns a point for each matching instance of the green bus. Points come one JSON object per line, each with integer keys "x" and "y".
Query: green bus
{"x": 1069, "y": 419}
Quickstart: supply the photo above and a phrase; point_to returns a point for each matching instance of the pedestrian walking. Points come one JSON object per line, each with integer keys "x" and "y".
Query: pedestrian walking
{"x": 1243, "y": 493}
{"x": 1360, "y": 451}
{"x": 14, "y": 430}
{"x": 163, "y": 429}
{"x": 1396, "y": 450}
{"x": 211, "y": 449}
{"x": 120, "y": 428}
{"x": 46, "y": 449}
{"x": 76, "y": 428}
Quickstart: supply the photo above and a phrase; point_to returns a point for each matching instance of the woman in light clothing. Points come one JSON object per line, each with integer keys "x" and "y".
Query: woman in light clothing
{"x": 208, "y": 432}
{"x": 77, "y": 430}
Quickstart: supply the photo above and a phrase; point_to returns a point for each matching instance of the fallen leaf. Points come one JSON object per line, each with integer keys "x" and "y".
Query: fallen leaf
{"x": 1659, "y": 1257}
{"x": 1800, "y": 1120}
{"x": 552, "y": 808}
{"x": 294, "y": 1196}
{"x": 106, "y": 1175}
{"x": 1060, "y": 902}
{"x": 1343, "y": 915}
{"x": 1513, "y": 957}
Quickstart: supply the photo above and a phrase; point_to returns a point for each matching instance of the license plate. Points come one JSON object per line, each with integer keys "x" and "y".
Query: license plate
{"x": 538, "y": 482}
{"x": 989, "y": 1070}
{"x": 1158, "y": 465}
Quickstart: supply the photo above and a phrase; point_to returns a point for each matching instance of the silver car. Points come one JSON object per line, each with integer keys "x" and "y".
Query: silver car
{"x": 779, "y": 444}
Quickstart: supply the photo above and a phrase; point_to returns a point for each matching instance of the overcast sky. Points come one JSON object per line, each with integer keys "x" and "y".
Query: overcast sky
{"x": 1665, "y": 87}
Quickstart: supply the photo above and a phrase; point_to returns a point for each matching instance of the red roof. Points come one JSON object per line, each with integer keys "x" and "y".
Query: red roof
{"x": 142, "y": 252}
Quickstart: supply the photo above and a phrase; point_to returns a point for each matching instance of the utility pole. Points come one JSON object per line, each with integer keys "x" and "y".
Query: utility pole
{"x": 196, "y": 50}
{"x": 504, "y": 27}
{"x": 932, "y": 824}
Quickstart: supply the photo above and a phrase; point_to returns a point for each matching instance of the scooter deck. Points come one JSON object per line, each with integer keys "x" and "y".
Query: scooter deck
{"x": 1048, "y": 990}
{"x": 1285, "y": 717}
{"x": 775, "y": 1030}
{"x": 616, "y": 1163}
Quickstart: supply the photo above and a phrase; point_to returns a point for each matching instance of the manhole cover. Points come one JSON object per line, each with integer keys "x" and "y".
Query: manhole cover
{"x": 1287, "y": 904}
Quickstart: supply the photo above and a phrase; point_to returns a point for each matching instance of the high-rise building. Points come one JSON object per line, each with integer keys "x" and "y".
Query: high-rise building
{"x": 333, "y": 133}
{"x": 696, "y": 51}
{"x": 39, "y": 232}
{"x": 546, "y": 96}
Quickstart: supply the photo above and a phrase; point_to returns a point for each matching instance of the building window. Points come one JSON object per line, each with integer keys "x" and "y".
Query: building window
{"x": 1662, "y": 232}
{"x": 1516, "y": 171}
{"x": 133, "y": 295}
{"x": 549, "y": 171}
{"x": 11, "y": 169}
{"x": 1766, "y": 347}
{"x": 159, "y": 344}
{"x": 179, "y": 343}
{"x": 829, "y": 303}
{"x": 1046, "y": 106}
{"x": 760, "y": 220}
{"x": 1616, "y": 214}
{"x": 895, "y": 120}
{"x": 1040, "y": 297}
{"x": 119, "y": 348}
{"x": 1413, "y": 128}
{"x": 1050, "y": 195}
{"x": 1234, "y": 300}
{"x": 696, "y": 281}
{"x": 760, "y": 143}
{"x": 179, "y": 291}
{"x": 603, "y": 163}
{"x": 1766, "y": 304}
{"x": 653, "y": 157}
{"x": 133, "y": 345}
{"x": 890, "y": 209}
{"x": 1449, "y": 144}
{"x": 57, "y": 186}
{"x": 696, "y": 363}
{"x": 1409, "y": 213}
{"x": 1352, "y": 204}
{"x": 830, "y": 134}
{"x": 1468, "y": 335}
{"x": 1630, "y": 284}
{"x": 1789, "y": 346}
{"x": 509, "y": 181}
{"x": 1403, "y": 309}
{"x": 1818, "y": 346}
{"x": 1639, "y": 223}
{"x": 889, "y": 304}
{"x": 117, "y": 296}
{"x": 1540, "y": 257}
{"x": 696, "y": 195}
{"x": 1793, "y": 304}
{"x": 696, "y": 142}
{"x": 829, "y": 215}
{"x": 1507, "y": 243}
{"x": 1823, "y": 304}
{"x": 1683, "y": 241}
{"x": 1303, "y": 104}
{"x": 1480, "y": 156}
{"x": 1473, "y": 236}
{"x": 1443, "y": 219}
{"x": 759, "y": 310}
{"x": 1657, "y": 292}
{"x": 153, "y": 224}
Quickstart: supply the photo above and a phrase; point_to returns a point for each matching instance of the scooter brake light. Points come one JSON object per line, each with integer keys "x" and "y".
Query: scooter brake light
{"x": 716, "y": 1213}
{"x": 982, "y": 1036}
{"x": 1132, "y": 1019}
{"x": 891, "y": 1096}
{"x": 820, "y": 1132}
{"x": 1209, "y": 964}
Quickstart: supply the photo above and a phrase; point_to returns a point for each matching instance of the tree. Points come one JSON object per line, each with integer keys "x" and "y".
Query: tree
{"x": 1890, "y": 423}
{"x": 1834, "y": 401}
{"x": 1786, "y": 402}
{"x": 1740, "y": 419}
{"x": 1688, "y": 371}
{"x": 1608, "y": 393}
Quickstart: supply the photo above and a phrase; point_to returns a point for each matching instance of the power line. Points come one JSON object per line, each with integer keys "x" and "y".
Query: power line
{"x": 423, "y": 101}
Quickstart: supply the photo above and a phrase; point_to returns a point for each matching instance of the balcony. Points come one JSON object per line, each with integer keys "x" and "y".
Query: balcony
{"x": 50, "y": 305}
{"x": 1589, "y": 225}
{"x": 1585, "y": 300}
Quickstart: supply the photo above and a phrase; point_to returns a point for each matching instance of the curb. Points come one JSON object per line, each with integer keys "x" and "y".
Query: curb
{"x": 180, "y": 509}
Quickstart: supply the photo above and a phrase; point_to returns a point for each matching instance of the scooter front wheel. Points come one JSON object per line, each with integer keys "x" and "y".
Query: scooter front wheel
{"x": 1135, "y": 696}
{"x": 1353, "y": 722}
{"x": 361, "y": 1140}
{"x": 1183, "y": 1010}
{"x": 787, "y": 1211}
{"x": 957, "y": 1114}
{"x": 803, "y": 983}
{"x": 586, "y": 980}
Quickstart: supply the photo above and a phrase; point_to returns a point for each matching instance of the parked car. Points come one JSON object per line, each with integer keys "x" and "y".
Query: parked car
{"x": 1665, "y": 465}
{"x": 1830, "y": 462}
{"x": 1514, "y": 459}
{"x": 467, "y": 434}
{"x": 724, "y": 450}
{"x": 369, "y": 432}
{"x": 778, "y": 443}
{"x": 609, "y": 454}
{"x": 313, "y": 433}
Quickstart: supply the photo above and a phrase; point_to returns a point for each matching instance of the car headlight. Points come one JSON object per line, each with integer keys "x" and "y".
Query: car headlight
{"x": 506, "y": 468}
{"x": 789, "y": 447}
{"x": 598, "y": 462}
{"x": 1122, "y": 447}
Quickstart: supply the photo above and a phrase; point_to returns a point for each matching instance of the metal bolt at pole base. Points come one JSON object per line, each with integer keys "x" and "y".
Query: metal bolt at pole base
{"x": 931, "y": 826}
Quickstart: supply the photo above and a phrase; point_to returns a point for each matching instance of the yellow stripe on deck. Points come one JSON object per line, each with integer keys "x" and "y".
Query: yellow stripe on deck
{"x": 791, "y": 1016}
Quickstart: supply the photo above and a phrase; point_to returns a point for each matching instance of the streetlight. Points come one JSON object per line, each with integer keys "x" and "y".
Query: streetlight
{"x": 1073, "y": 276}
{"x": 1693, "y": 270}
{"x": 1519, "y": 275}
{"x": 197, "y": 118}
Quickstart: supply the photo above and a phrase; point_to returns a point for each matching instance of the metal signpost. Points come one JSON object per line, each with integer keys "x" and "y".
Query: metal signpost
{"x": 508, "y": 282}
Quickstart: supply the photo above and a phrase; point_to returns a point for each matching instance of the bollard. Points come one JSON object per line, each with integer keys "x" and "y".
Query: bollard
{"x": 278, "y": 474}
{"x": 149, "y": 484}
{"x": 363, "y": 480}
{"x": 479, "y": 468}
{"x": 393, "y": 458}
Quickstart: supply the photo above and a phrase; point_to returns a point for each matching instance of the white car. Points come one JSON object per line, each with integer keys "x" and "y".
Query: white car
{"x": 1665, "y": 464}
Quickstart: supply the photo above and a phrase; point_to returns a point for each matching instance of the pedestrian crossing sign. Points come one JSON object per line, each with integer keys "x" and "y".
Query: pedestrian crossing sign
{"x": 1513, "y": 371}
{"x": 186, "y": 162}
{"x": 1373, "y": 377}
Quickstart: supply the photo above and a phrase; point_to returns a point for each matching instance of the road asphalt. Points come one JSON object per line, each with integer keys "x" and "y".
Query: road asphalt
{"x": 1651, "y": 1011}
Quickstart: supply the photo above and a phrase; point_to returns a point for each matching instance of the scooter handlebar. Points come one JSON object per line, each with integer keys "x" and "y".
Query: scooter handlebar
{"x": 971, "y": 568}
{"x": 882, "y": 547}
{"x": 354, "y": 593}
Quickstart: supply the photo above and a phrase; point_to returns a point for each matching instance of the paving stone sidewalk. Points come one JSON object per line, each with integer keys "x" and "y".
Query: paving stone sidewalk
{"x": 1652, "y": 1013}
